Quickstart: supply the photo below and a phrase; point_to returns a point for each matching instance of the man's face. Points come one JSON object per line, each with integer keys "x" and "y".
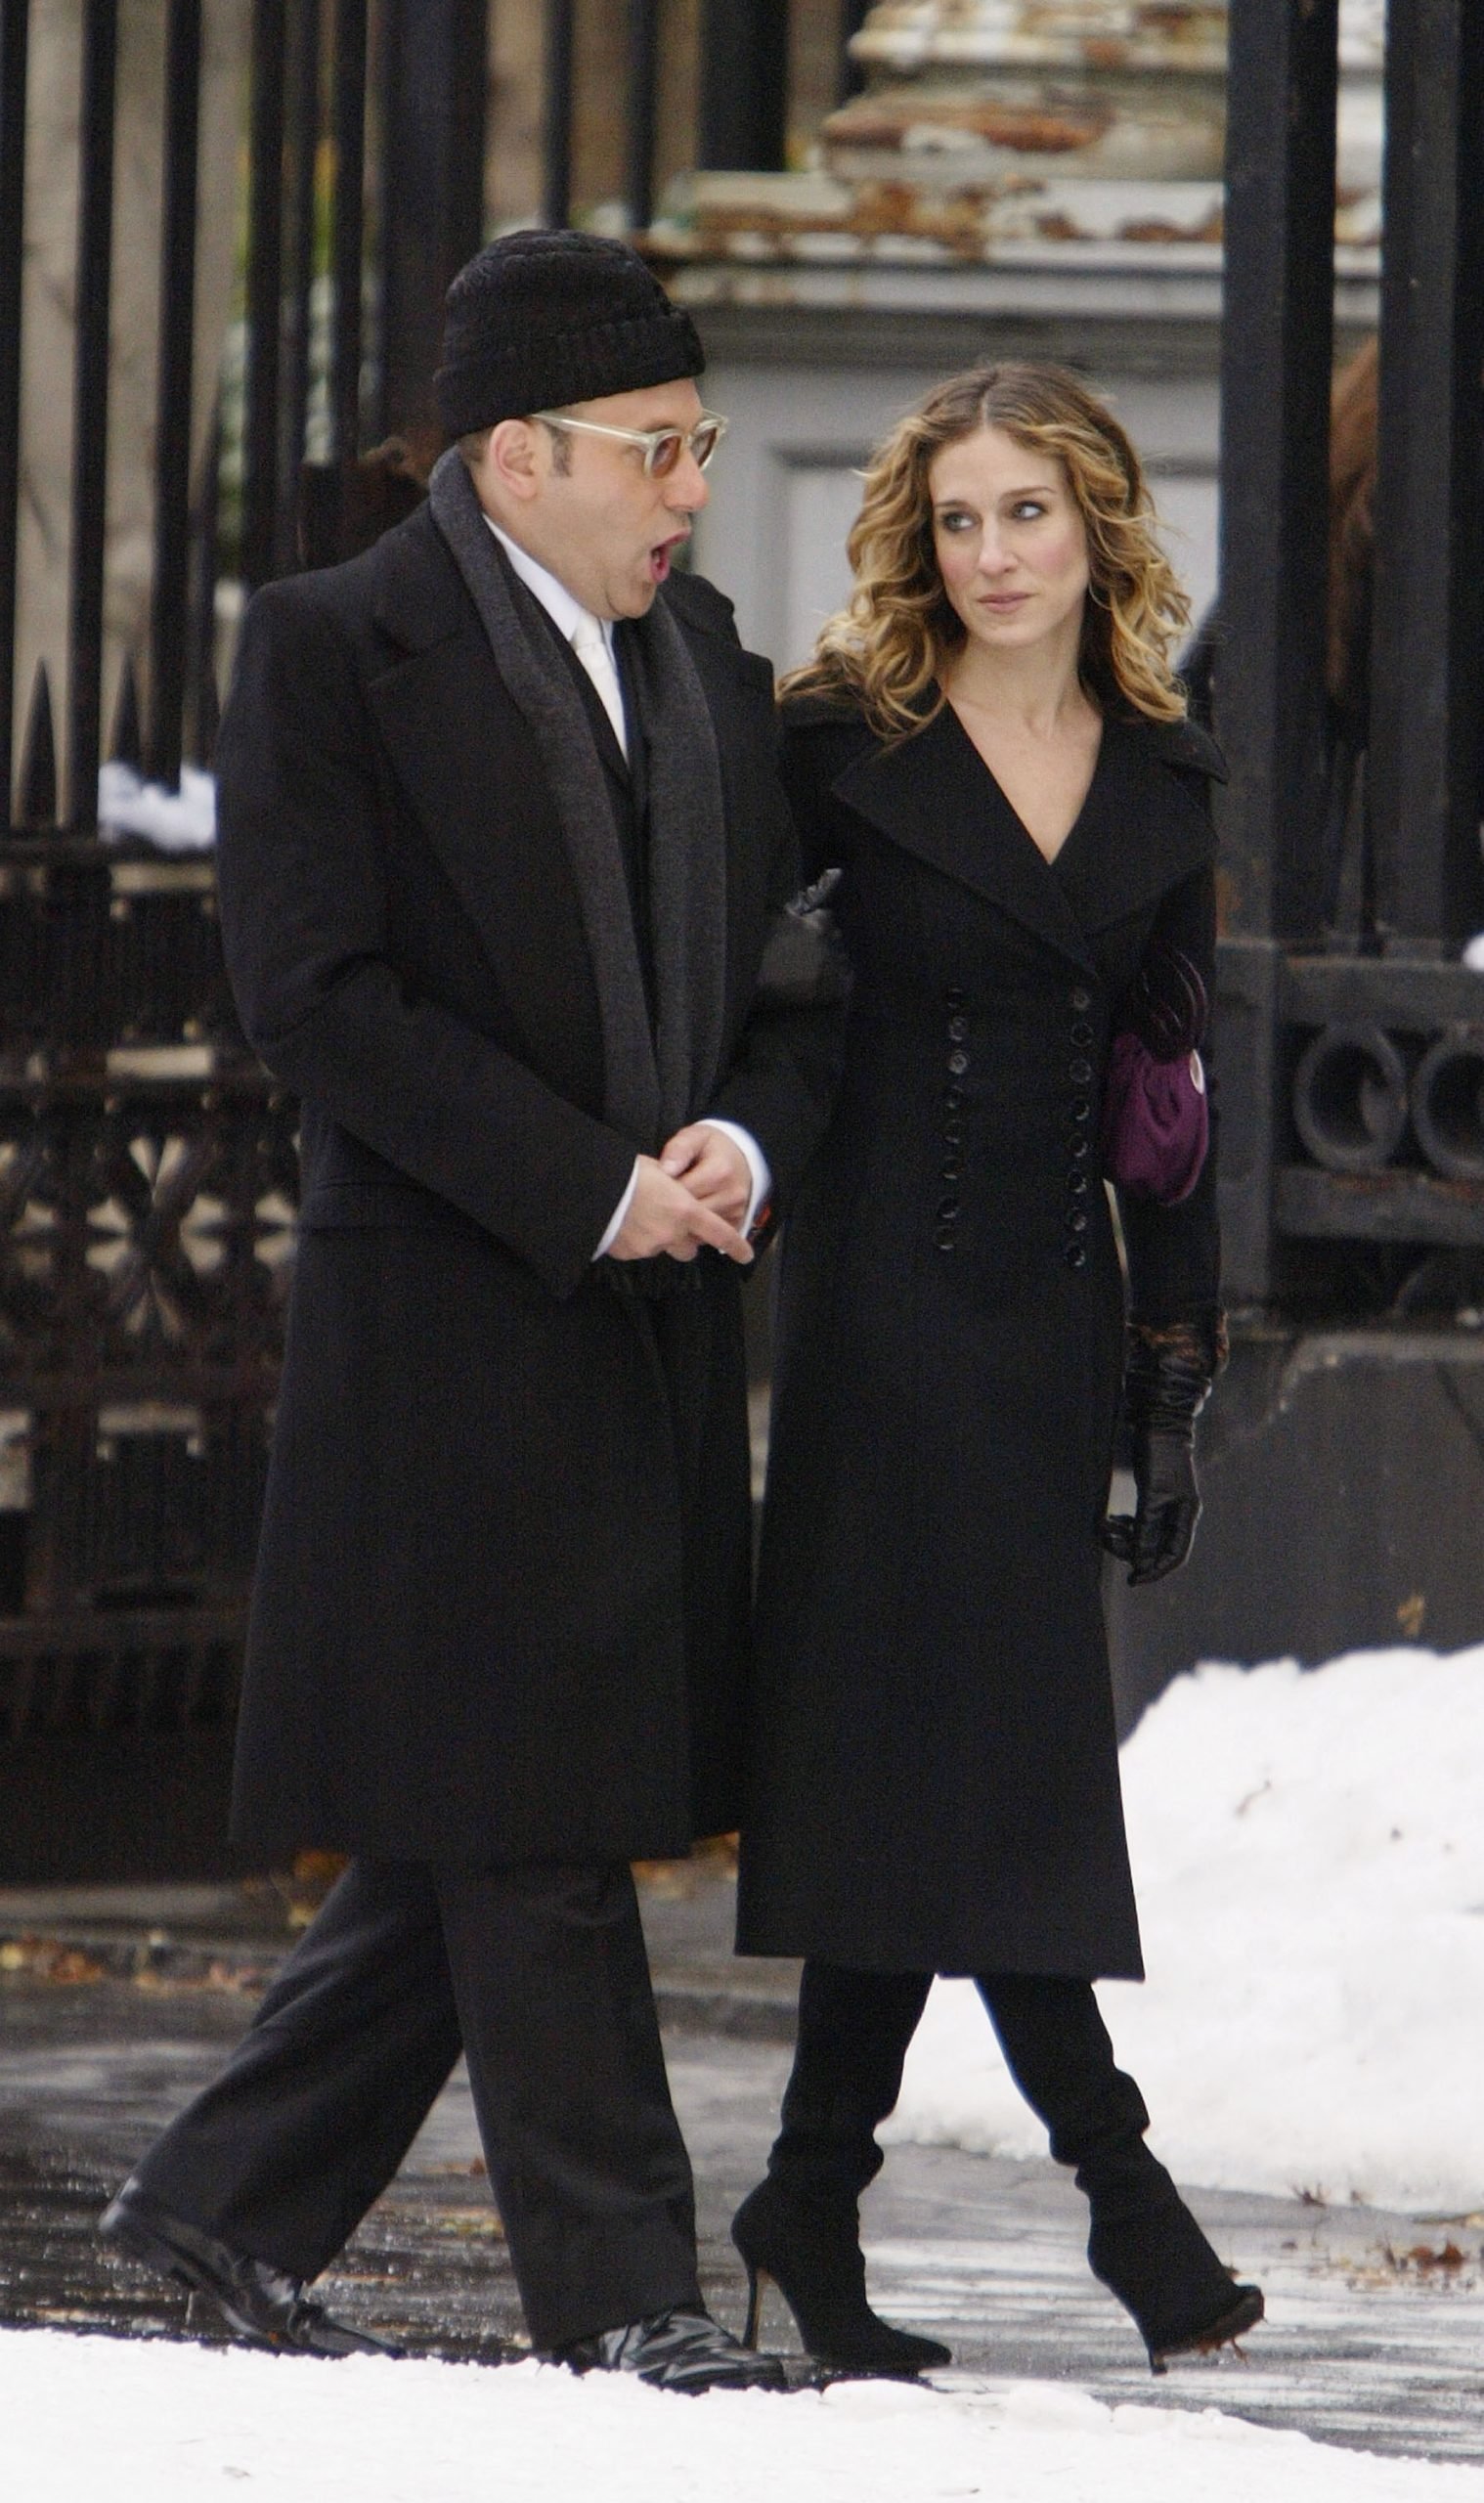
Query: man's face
{"x": 582, "y": 504}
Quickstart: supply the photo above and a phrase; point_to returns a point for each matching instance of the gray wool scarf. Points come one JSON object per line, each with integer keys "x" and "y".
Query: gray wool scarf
{"x": 652, "y": 1084}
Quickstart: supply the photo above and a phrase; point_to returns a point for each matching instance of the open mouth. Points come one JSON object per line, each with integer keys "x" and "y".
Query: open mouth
{"x": 660, "y": 557}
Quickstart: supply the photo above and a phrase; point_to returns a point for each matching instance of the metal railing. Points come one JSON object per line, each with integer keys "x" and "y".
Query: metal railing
{"x": 1352, "y": 1146}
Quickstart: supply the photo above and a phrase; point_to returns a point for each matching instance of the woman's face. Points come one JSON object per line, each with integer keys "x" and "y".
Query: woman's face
{"x": 1010, "y": 542}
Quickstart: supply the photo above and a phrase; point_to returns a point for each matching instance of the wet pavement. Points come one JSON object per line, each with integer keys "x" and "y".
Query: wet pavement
{"x": 114, "y": 2008}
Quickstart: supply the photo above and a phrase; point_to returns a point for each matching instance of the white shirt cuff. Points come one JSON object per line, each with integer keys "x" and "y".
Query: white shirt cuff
{"x": 615, "y": 1224}
{"x": 756, "y": 1165}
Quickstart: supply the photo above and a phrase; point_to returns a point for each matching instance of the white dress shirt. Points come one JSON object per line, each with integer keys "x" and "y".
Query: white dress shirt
{"x": 568, "y": 615}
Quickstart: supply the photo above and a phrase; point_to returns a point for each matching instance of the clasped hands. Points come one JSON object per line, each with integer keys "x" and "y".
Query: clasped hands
{"x": 696, "y": 1191}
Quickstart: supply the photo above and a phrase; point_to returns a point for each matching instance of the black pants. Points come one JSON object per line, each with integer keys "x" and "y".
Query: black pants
{"x": 539, "y": 1975}
{"x": 853, "y": 2031}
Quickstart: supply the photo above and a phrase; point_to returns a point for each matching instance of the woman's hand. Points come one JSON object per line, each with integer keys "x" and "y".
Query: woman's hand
{"x": 1158, "y": 1537}
{"x": 1168, "y": 1373}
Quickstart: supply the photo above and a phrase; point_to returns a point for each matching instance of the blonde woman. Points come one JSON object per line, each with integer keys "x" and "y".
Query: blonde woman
{"x": 990, "y": 748}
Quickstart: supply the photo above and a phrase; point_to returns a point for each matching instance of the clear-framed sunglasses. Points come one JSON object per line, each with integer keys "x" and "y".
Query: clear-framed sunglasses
{"x": 662, "y": 445}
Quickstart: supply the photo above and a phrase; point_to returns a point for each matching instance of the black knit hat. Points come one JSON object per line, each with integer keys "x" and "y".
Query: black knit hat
{"x": 543, "y": 318}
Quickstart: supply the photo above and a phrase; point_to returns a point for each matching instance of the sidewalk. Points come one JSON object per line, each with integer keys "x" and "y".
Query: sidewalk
{"x": 121, "y": 2003}
{"x": 232, "y": 1937}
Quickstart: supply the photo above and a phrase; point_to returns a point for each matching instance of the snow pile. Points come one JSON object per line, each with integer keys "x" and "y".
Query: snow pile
{"x": 1308, "y": 1849}
{"x": 154, "y": 2422}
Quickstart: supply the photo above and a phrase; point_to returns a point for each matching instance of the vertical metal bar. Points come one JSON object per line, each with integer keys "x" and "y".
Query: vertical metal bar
{"x": 202, "y": 629}
{"x": 1275, "y": 400}
{"x": 1423, "y": 780}
{"x": 349, "y": 111}
{"x": 643, "y": 82}
{"x": 853, "y": 17}
{"x": 557, "y": 112}
{"x": 744, "y": 84}
{"x": 468, "y": 73}
{"x": 36, "y": 806}
{"x": 14, "y": 21}
{"x": 172, "y": 427}
{"x": 90, "y": 422}
{"x": 125, "y": 739}
{"x": 265, "y": 247}
{"x": 304, "y": 108}
{"x": 432, "y": 187}
{"x": 209, "y": 713}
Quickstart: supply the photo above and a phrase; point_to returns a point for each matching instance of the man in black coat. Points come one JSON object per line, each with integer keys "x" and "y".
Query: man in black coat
{"x": 501, "y": 843}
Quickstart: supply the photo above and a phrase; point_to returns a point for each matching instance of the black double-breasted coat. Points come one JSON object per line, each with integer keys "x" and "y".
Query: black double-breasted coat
{"x": 932, "y": 1775}
{"x": 500, "y": 1601}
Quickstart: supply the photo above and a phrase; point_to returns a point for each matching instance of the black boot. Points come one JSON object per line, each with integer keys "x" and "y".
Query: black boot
{"x": 801, "y": 2226}
{"x": 1143, "y": 2242}
{"x": 1148, "y": 2250}
{"x": 811, "y": 2252}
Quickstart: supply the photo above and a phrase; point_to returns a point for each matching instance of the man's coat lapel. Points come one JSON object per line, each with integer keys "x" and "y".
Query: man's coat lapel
{"x": 469, "y": 767}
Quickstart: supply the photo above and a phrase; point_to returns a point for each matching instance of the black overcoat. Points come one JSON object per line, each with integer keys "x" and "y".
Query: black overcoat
{"x": 932, "y": 1781}
{"x": 500, "y": 1601}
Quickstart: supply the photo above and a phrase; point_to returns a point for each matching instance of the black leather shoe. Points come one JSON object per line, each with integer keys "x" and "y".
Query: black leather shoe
{"x": 811, "y": 2252}
{"x": 259, "y": 2303}
{"x": 683, "y": 2351}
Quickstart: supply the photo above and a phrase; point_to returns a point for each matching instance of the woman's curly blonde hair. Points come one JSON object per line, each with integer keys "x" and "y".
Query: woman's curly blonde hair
{"x": 889, "y": 647}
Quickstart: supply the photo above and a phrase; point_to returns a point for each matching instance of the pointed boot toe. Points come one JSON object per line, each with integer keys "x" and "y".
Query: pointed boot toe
{"x": 811, "y": 2253}
{"x": 1148, "y": 2250}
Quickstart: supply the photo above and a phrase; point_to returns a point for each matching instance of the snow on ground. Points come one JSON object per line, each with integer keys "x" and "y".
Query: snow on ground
{"x": 1308, "y": 1848}
{"x": 155, "y": 2422}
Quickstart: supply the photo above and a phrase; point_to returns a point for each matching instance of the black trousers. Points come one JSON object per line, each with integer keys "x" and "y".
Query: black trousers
{"x": 539, "y": 1975}
{"x": 854, "y": 2033}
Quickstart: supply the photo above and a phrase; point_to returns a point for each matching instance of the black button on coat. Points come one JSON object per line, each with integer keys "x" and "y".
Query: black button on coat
{"x": 933, "y": 1776}
{"x": 501, "y": 1609}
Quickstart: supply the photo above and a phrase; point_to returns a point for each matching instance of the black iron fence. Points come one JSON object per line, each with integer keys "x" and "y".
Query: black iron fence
{"x": 743, "y": 98}
{"x": 1354, "y": 1125}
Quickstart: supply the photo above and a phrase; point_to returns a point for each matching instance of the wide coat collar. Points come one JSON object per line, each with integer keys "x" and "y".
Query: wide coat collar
{"x": 465, "y": 757}
{"x": 1142, "y": 826}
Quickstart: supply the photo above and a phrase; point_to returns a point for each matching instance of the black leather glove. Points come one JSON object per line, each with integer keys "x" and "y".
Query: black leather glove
{"x": 1168, "y": 1372}
{"x": 804, "y": 964}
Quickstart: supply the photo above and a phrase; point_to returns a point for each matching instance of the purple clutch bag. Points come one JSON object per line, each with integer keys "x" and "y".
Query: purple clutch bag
{"x": 1155, "y": 1117}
